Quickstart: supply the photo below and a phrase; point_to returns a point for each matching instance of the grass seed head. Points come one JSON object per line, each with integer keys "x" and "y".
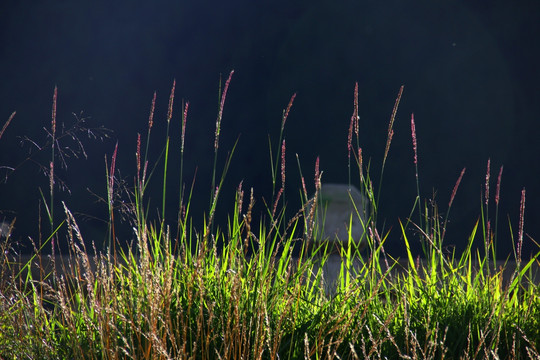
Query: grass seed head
{"x": 498, "y": 190}
{"x": 487, "y": 181}
{"x": 171, "y": 101}
{"x": 413, "y": 132}
{"x": 151, "y": 116}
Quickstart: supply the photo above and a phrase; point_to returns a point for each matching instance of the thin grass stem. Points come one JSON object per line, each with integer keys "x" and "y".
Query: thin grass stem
{"x": 390, "y": 134}
{"x": 497, "y": 199}
{"x": 166, "y": 163}
{"x": 51, "y": 163}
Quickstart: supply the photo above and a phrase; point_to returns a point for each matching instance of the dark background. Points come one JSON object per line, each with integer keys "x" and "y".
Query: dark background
{"x": 470, "y": 70}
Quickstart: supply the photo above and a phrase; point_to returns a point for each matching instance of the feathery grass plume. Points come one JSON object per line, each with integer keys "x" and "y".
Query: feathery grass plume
{"x": 356, "y": 116}
{"x": 182, "y": 142}
{"x": 51, "y": 164}
{"x": 143, "y": 165}
{"x": 388, "y": 141}
{"x": 283, "y": 121}
{"x": 7, "y": 123}
{"x": 184, "y": 120}
{"x": 171, "y": 102}
{"x": 318, "y": 175}
{"x": 112, "y": 170}
{"x": 281, "y": 191}
{"x": 454, "y": 191}
{"x": 415, "y": 150}
{"x": 303, "y": 191}
{"x": 353, "y": 126}
{"x": 223, "y": 96}
{"x": 53, "y": 132}
{"x": 391, "y": 125}
{"x": 138, "y": 158}
{"x": 488, "y": 173}
{"x": 360, "y": 163}
{"x": 53, "y": 115}
{"x": 286, "y": 113}
{"x": 283, "y": 164}
{"x": 488, "y": 238}
{"x": 498, "y": 189}
{"x": 310, "y": 205}
{"x": 220, "y": 113}
{"x": 274, "y": 166}
{"x": 51, "y": 187}
{"x": 497, "y": 199}
{"x": 521, "y": 224}
{"x": 149, "y": 130}
{"x": 151, "y": 115}
{"x": 167, "y": 141}
{"x": 215, "y": 195}
{"x": 276, "y": 202}
{"x": 413, "y": 132}
{"x": 486, "y": 223}
{"x": 110, "y": 199}
{"x": 150, "y": 124}
{"x": 139, "y": 188}
{"x": 247, "y": 221}
{"x": 239, "y": 198}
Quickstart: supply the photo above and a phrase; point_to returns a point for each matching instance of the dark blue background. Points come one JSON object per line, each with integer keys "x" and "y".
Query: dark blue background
{"x": 470, "y": 71}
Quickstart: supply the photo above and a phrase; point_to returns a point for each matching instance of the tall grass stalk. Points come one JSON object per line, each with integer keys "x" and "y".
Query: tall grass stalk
{"x": 353, "y": 127}
{"x": 497, "y": 198}
{"x": 222, "y": 96}
{"x": 181, "y": 186}
{"x": 166, "y": 162}
{"x": 389, "y": 137}
{"x": 274, "y": 159}
{"x": 277, "y": 164}
{"x": 417, "y": 202}
{"x": 51, "y": 171}
{"x": 110, "y": 171}
{"x": 49, "y": 205}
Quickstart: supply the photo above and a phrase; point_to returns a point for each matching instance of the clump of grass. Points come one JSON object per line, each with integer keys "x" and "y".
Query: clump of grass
{"x": 178, "y": 294}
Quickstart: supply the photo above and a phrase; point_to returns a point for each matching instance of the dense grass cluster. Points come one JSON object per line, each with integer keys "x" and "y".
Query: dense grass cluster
{"x": 258, "y": 289}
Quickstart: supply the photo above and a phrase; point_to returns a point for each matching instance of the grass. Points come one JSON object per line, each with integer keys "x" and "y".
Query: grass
{"x": 256, "y": 289}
